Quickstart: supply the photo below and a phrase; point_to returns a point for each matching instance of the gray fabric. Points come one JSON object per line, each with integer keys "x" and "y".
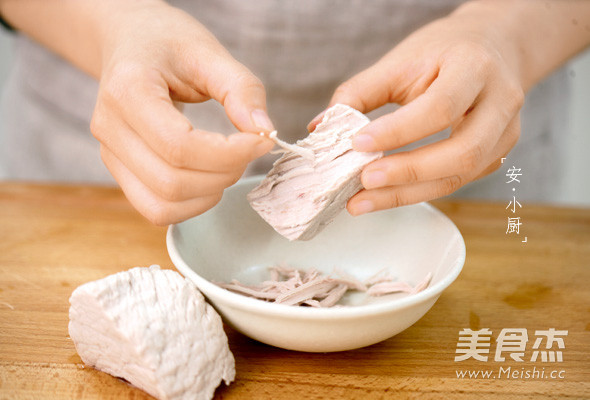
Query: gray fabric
{"x": 46, "y": 110}
{"x": 301, "y": 50}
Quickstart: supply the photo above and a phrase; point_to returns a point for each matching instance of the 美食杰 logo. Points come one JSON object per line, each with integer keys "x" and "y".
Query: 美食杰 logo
{"x": 511, "y": 344}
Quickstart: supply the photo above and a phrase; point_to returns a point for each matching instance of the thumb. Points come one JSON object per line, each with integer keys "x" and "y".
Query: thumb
{"x": 243, "y": 96}
{"x": 366, "y": 91}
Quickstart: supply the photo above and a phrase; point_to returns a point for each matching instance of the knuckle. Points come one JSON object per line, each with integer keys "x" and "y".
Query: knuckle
{"x": 346, "y": 90}
{"x": 445, "y": 108}
{"x": 172, "y": 140}
{"x": 514, "y": 136}
{"x": 208, "y": 202}
{"x": 173, "y": 151}
{"x": 516, "y": 96}
{"x": 352, "y": 93}
{"x": 121, "y": 80}
{"x": 511, "y": 136}
{"x": 481, "y": 58}
{"x": 471, "y": 158}
{"x": 244, "y": 79}
{"x": 169, "y": 187}
{"x": 411, "y": 173}
{"x": 216, "y": 198}
{"x": 449, "y": 185}
{"x": 233, "y": 178}
{"x": 250, "y": 81}
{"x": 104, "y": 155}
{"x": 111, "y": 93}
{"x": 395, "y": 198}
{"x": 242, "y": 82}
{"x": 113, "y": 88}
{"x": 495, "y": 166}
{"x": 158, "y": 214}
{"x": 96, "y": 124}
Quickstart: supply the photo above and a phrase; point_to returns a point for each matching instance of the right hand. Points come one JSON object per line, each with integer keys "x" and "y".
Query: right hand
{"x": 154, "y": 54}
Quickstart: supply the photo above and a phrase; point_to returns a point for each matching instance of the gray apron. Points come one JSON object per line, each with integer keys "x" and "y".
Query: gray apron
{"x": 301, "y": 50}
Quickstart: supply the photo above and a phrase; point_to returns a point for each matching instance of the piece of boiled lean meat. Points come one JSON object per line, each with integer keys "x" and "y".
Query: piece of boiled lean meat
{"x": 154, "y": 329}
{"x": 302, "y": 194}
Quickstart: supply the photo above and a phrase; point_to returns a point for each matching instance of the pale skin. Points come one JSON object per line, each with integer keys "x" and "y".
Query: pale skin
{"x": 468, "y": 71}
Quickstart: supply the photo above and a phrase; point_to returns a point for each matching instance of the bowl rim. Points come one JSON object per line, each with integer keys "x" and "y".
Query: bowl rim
{"x": 242, "y": 302}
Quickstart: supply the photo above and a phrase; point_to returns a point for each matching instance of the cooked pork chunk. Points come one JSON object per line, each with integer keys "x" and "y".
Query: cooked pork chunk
{"x": 154, "y": 329}
{"x": 302, "y": 193}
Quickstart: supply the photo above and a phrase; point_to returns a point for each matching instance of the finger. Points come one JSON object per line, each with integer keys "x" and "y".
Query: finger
{"x": 465, "y": 151}
{"x": 164, "y": 180}
{"x": 503, "y": 147}
{"x": 240, "y": 92}
{"x": 411, "y": 193}
{"x": 396, "y": 78}
{"x": 369, "y": 89}
{"x": 315, "y": 121}
{"x": 447, "y": 99}
{"x": 155, "y": 209}
{"x": 400, "y": 195}
{"x": 391, "y": 79}
{"x": 148, "y": 109}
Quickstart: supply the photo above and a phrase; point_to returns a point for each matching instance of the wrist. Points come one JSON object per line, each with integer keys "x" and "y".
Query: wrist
{"x": 117, "y": 25}
{"x": 498, "y": 24}
{"x": 534, "y": 37}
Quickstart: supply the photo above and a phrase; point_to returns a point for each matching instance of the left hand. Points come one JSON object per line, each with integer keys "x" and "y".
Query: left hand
{"x": 456, "y": 72}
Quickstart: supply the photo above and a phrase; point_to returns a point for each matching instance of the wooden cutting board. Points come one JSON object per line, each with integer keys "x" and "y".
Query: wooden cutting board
{"x": 54, "y": 238}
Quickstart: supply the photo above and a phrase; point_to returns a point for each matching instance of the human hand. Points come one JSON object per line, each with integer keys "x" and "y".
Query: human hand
{"x": 154, "y": 54}
{"x": 457, "y": 72}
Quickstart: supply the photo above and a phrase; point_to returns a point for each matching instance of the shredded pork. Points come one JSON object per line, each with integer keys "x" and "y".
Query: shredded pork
{"x": 288, "y": 147}
{"x": 311, "y": 288}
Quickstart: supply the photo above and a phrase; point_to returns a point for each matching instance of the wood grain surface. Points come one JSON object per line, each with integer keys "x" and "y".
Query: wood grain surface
{"x": 54, "y": 238}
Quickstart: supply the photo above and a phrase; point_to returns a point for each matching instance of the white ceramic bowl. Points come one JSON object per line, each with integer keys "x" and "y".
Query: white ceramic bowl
{"x": 231, "y": 241}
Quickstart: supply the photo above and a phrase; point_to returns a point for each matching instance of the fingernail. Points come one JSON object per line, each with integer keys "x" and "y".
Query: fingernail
{"x": 363, "y": 207}
{"x": 315, "y": 121}
{"x": 261, "y": 120}
{"x": 363, "y": 143}
{"x": 374, "y": 179}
